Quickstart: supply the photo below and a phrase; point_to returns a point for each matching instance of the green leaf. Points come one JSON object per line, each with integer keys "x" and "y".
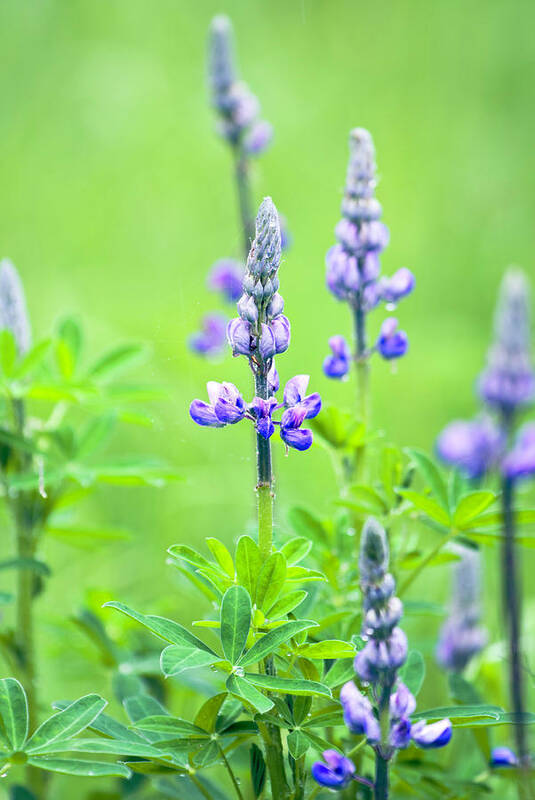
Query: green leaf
{"x": 271, "y": 579}
{"x": 67, "y": 723}
{"x": 431, "y": 475}
{"x": 39, "y": 567}
{"x": 258, "y": 770}
{"x": 171, "y": 727}
{"x": 298, "y": 743}
{"x": 135, "y": 472}
{"x": 521, "y": 540}
{"x": 288, "y": 685}
{"x": 462, "y": 715}
{"x": 390, "y": 470}
{"x": 427, "y": 505}
{"x": 117, "y": 747}
{"x": 462, "y": 691}
{"x": 207, "y": 714}
{"x": 367, "y": 499}
{"x": 272, "y": 640}
{"x": 470, "y": 507}
{"x": 164, "y": 628}
{"x": 235, "y": 622}
{"x": 307, "y": 525}
{"x": 243, "y": 689}
{"x": 327, "y": 717}
{"x": 296, "y": 549}
{"x": 86, "y": 538}
{"x": 412, "y": 672}
{"x": 73, "y": 766}
{"x": 116, "y": 359}
{"x": 142, "y": 705}
{"x": 95, "y": 432}
{"x": 318, "y": 743}
{"x": 177, "y": 658}
{"x": 248, "y": 563}
{"x": 207, "y": 755}
{"x": 222, "y": 556}
{"x": 494, "y": 519}
{"x": 185, "y": 553}
{"x": 108, "y": 726}
{"x": 341, "y": 671}
{"x": 8, "y": 352}
{"x": 32, "y": 359}
{"x": 338, "y": 428}
{"x": 14, "y": 712}
{"x": 64, "y": 359}
{"x": 286, "y": 603}
{"x": 329, "y": 648}
{"x": 71, "y": 332}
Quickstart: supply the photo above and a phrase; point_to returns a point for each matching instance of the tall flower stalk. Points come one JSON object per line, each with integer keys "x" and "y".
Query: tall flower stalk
{"x": 353, "y": 272}
{"x": 261, "y": 332}
{"x": 239, "y": 123}
{"x": 507, "y": 387}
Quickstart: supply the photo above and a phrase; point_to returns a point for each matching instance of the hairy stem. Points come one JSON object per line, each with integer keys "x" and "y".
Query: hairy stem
{"x": 231, "y": 773}
{"x": 241, "y": 172}
{"x": 512, "y": 613}
{"x": 264, "y": 485}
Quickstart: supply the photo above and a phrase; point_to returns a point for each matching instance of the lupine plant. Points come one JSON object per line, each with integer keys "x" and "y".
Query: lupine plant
{"x": 494, "y": 444}
{"x": 248, "y": 136}
{"x": 57, "y": 413}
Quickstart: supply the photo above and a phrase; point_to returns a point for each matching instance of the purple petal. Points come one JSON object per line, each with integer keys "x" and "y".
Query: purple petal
{"x": 226, "y": 276}
{"x": 503, "y": 757}
{"x": 258, "y": 137}
{"x": 267, "y": 346}
{"x": 204, "y": 414}
{"x": 437, "y": 734}
{"x": 312, "y": 403}
{"x": 239, "y": 336}
{"x": 280, "y": 327}
{"x": 298, "y": 439}
{"x": 294, "y": 416}
{"x": 335, "y": 367}
{"x": 295, "y": 389}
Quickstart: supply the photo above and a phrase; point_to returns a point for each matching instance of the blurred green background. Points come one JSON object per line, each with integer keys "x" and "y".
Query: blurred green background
{"x": 116, "y": 197}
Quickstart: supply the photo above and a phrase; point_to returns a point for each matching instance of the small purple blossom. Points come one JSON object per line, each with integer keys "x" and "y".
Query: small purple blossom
{"x": 400, "y": 733}
{"x": 520, "y": 461}
{"x": 258, "y": 137}
{"x": 380, "y": 658}
{"x": 210, "y": 340}
{"x": 226, "y": 277}
{"x": 503, "y": 757}
{"x": 262, "y": 411}
{"x": 336, "y": 773}
{"x": 399, "y": 285}
{"x": 433, "y": 735}
{"x": 392, "y": 343}
{"x": 474, "y": 446}
{"x": 402, "y": 702}
{"x": 290, "y": 428}
{"x": 295, "y": 394}
{"x": 226, "y": 406}
{"x": 338, "y": 364}
{"x": 358, "y": 713}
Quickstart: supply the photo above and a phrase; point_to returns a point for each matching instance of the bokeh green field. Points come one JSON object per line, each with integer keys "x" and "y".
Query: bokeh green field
{"x": 116, "y": 196}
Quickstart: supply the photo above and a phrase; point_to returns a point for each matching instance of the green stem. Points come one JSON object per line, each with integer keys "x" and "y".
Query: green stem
{"x": 231, "y": 773}
{"x": 362, "y": 369}
{"x": 241, "y": 172}
{"x": 381, "y": 777}
{"x": 424, "y": 562}
{"x": 202, "y": 789}
{"x": 381, "y": 751}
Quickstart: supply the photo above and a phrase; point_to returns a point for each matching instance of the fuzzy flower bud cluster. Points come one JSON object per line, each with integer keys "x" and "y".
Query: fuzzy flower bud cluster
{"x": 506, "y": 386}
{"x": 13, "y": 310}
{"x": 261, "y": 331}
{"x": 238, "y": 108}
{"x": 226, "y": 406}
{"x": 353, "y": 265}
{"x": 508, "y": 382}
{"x": 462, "y": 636}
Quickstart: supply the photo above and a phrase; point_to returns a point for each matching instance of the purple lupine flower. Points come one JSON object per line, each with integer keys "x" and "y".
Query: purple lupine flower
{"x": 400, "y": 733}
{"x": 402, "y": 702}
{"x": 262, "y": 410}
{"x": 237, "y": 106}
{"x": 261, "y": 331}
{"x": 273, "y": 379}
{"x": 503, "y": 757}
{"x": 461, "y": 636}
{"x": 226, "y": 276}
{"x": 295, "y": 394}
{"x": 258, "y": 137}
{"x": 520, "y": 461}
{"x": 399, "y": 285}
{"x": 13, "y": 310}
{"x": 211, "y": 339}
{"x": 433, "y": 735}
{"x": 353, "y": 265}
{"x": 337, "y": 365}
{"x": 474, "y": 446}
{"x": 358, "y": 713}
{"x": 336, "y": 773}
{"x": 508, "y": 382}
{"x": 226, "y": 406}
{"x": 380, "y": 658}
{"x": 290, "y": 428}
{"x": 392, "y": 343}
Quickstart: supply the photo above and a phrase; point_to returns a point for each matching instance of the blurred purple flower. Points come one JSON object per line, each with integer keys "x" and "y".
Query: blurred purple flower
{"x": 226, "y": 276}
{"x": 210, "y": 340}
{"x": 392, "y": 343}
{"x": 503, "y": 757}
{"x": 226, "y": 406}
{"x": 520, "y": 461}
{"x": 474, "y": 446}
{"x": 428, "y": 736}
{"x": 336, "y": 773}
{"x": 358, "y": 713}
{"x": 337, "y": 365}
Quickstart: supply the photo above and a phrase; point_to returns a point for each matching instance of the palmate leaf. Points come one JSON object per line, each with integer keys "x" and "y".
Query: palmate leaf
{"x": 298, "y": 743}
{"x": 248, "y": 563}
{"x": 296, "y": 549}
{"x": 235, "y": 622}
{"x": 286, "y": 603}
{"x": 463, "y": 716}
{"x": 426, "y": 504}
{"x": 208, "y": 713}
{"x": 73, "y": 766}
{"x": 171, "y": 727}
{"x": 162, "y": 627}
{"x": 431, "y": 475}
{"x": 177, "y": 658}
{"x": 222, "y": 556}
{"x": 270, "y": 581}
{"x": 116, "y": 359}
{"x": 329, "y": 648}
{"x": 108, "y": 726}
{"x": 140, "y": 706}
{"x": 13, "y": 712}
{"x": 116, "y": 747}
{"x": 341, "y": 671}
{"x": 67, "y": 723}
{"x": 272, "y": 640}
{"x": 306, "y": 524}
{"x": 470, "y": 507}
